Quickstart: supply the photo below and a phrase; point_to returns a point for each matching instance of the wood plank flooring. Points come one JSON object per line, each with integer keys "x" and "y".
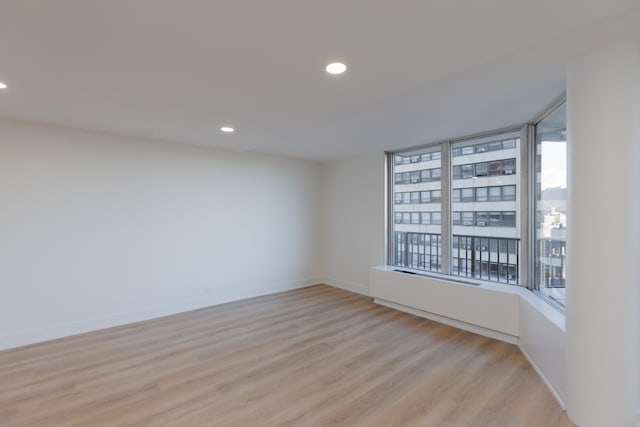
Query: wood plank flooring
{"x": 317, "y": 356}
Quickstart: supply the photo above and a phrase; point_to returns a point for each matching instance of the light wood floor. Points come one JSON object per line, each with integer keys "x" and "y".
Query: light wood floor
{"x": 312, "y": 357}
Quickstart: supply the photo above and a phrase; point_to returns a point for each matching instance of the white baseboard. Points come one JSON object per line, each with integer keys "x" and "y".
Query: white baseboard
{"x": 23, "y": 338}
{"x": 451, "y": 322}
{"x": 347, "y": 286}
{"x": 546, "y": 381}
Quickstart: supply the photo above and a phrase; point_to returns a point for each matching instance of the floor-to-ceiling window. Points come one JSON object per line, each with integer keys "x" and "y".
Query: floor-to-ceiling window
{"x": 490, "y": 207}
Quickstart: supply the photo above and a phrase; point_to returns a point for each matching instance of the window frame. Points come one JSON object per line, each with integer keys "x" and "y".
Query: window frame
{"x": 446, "y": 180}
{"x": 531, "y": 225}
{"x": 524, "y": 198}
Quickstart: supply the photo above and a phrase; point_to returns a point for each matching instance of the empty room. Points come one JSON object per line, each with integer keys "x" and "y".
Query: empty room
{"x": 336, "y": 213}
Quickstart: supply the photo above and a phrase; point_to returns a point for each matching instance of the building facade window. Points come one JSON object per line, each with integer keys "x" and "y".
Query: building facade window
{"x": 503, "y": 217}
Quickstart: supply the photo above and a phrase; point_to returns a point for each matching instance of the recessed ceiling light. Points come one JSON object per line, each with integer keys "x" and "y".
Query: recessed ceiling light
{"x": 227, "y": 129}
{"x": 336, "y": 68}
{"x": 3, "y": 86}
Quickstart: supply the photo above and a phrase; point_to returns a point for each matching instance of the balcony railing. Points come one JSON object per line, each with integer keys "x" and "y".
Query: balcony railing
{"x": 421, "y": 251}
{"x": 493, "y": 259}
{"x": 484, "y": 258}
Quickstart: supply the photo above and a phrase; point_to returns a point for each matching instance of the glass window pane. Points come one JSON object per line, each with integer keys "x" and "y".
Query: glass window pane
{"x": 495, "y": 194}
{"x": 510, "y": 143}
{"x": 467, "y": 171}
{"x": 508, "y": 219}
{"x": 488, "y": 228}
{"x": 551, "y": 205}
{"x": 495, "y": 146}
{"x": 509, "y": 192}
{"x": 426, "y": 218}
{"x": 495, "y": 219}
{"x": 482, "y": 169}
{"x": 482, "y": 219}
{"x": 481, "y": 194}
{"x": 413, "y": 247}
{"x": 467, "y": 218}
{"x": 485, "y": 234}
{"x": 481, "y": 148}
{"x": 509, "y": 167}
{"x": 467, "y": 194}
{"x": 436, "y": 218}
{"x": 456, "y": 218}
{"x": 495, "y": 168}
{"x": 456, "y": 172}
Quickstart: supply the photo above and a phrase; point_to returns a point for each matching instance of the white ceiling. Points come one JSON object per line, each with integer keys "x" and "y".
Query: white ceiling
{"x": 172, "y": 70}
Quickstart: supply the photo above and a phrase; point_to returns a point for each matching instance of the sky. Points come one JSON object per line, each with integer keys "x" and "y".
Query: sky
{"x": 554, "y": 164}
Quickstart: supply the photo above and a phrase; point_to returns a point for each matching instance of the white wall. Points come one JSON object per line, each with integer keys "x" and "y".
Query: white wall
{"x": 603, "y": 249}
{"x": 98, "y": 230}
{"x": 542, "y": 340}
{"x": 353, "y": 212}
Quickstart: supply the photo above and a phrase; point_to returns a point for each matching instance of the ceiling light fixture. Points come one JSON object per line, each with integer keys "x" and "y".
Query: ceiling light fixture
{"x": 3, "y": 86}
{"x": 227, "y": 129}
{"x": 336, "y": 68}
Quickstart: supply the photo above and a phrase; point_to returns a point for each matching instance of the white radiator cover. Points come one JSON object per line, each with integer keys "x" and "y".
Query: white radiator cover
{"x": 491, "y": 310}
